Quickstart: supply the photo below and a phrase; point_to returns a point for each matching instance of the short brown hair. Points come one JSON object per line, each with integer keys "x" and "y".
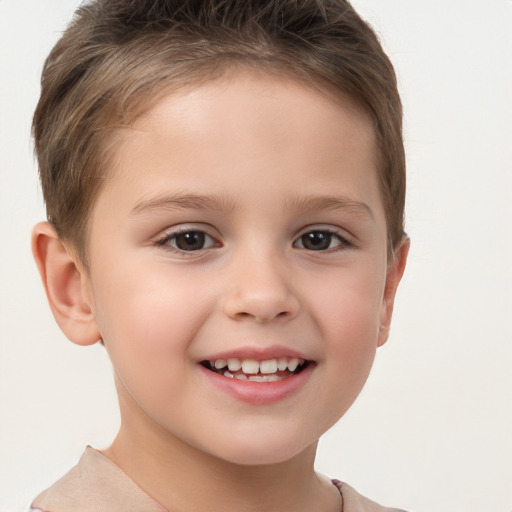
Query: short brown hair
{"x": 118, "y": 54}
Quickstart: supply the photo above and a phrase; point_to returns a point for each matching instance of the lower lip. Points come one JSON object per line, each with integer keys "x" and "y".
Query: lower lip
{"x": 260, "y": 393}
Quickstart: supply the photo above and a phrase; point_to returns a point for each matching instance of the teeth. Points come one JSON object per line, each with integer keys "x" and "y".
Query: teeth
{"x": 252, "y": 367}
{"x": 234, "y": 365}
{"x": 292, "y": 364}
{"x": 282, "y": 364}
{"x": 264, "y": 378}
{"x": 268, "y": 366}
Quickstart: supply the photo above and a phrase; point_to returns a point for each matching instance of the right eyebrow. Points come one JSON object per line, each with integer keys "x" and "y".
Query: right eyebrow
{"x": 182, "y": 201}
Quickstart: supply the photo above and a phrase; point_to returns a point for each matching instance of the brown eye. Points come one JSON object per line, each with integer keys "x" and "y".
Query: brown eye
{"x": 320, "y": 241}
{"x": 189, "y": 241}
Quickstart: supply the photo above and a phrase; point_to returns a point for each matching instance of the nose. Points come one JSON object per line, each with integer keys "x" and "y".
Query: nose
{"x": 260, "y": 289}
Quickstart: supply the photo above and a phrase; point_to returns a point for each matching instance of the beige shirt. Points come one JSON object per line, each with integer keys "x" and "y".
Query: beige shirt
{"x": 96, "y": 484}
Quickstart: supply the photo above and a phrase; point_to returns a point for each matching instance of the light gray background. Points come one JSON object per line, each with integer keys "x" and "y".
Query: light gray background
{"x": 432, "y": 429}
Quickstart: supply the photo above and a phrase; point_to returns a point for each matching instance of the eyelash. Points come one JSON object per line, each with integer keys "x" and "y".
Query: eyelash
{"x": 343, "y": 243}
{"x": 167, "y": 239}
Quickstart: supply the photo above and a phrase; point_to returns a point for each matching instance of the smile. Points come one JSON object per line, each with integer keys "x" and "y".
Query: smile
{"x": 252, "y": 370}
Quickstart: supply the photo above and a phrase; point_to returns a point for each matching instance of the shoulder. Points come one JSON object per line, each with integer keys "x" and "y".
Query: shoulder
{"x": 95, "y": 483}
{"x": 355, "y": 502}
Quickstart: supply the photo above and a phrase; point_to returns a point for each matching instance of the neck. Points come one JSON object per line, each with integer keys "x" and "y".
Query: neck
{"x": 182, "y": 478}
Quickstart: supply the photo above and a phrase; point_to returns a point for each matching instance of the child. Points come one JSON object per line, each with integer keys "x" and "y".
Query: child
{"x": 224, "y": 182}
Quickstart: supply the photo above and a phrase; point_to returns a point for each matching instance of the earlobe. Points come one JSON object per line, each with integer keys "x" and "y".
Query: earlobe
{"x": 64, "y": 281}
{"x": 395, "y": 272}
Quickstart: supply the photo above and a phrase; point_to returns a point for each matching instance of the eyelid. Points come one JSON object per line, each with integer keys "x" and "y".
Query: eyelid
{"x": 172, "y": 232}
{"x": 345, "y": 238}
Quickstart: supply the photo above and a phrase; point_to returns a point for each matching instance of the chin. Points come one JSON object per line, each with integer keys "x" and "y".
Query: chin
{"x": 258, "y": 458}
{"x": 261, "y": 450}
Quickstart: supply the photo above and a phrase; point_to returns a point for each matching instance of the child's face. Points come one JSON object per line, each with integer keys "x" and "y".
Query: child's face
{"x": 243, "y": 221}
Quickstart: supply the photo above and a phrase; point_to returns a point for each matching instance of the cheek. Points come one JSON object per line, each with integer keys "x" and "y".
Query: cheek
{"x": 147, "y": 327}
{"x": 347, "y": 315}
{"x": 348, "y": 309}
{"x": 147, "y": 321}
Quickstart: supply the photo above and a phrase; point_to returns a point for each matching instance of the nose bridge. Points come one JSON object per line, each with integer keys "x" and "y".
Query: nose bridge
{"x": 260, "y": 287}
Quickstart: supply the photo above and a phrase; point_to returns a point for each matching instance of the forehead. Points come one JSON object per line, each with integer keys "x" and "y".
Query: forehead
{"x": 251, "y": 88}
{"x": 215, "y": 131}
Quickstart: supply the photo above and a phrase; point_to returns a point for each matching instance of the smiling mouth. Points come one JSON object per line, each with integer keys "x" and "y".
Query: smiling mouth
{"x": 270, "y": 370}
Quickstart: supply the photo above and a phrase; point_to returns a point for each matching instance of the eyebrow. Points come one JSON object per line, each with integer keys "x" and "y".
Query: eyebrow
{"x": 220, "y": 203}
{"x": 319, "y": 203}
{"x": 183, "y": 201}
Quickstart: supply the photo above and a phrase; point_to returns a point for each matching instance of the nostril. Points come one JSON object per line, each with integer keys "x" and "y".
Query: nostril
{"x": 262, "y": 316}
{"x": 261, "y": 307}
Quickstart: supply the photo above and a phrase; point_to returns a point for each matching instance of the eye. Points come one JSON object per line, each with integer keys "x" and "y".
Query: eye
{"x": 320, "y": 241}
{"x": 188, "y": 241}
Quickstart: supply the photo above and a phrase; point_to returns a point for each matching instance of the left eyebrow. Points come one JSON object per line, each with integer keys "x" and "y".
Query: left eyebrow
{"x": 183, "y": 201}
{"x": 331, "y": 203}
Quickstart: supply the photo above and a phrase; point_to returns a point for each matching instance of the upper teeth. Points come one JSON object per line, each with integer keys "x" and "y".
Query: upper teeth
{"x": 252, "y": 366}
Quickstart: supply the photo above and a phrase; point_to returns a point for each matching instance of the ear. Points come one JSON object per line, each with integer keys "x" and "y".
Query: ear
{"x": 395, "y": 272}
{"x": 66, "y": 285}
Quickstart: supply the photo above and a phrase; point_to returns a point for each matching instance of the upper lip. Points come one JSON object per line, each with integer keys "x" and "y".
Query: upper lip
{"x": 257, "y": 353}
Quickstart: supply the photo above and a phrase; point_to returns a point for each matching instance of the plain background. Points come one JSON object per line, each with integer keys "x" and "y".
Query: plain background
{"x": 432, "y": 429}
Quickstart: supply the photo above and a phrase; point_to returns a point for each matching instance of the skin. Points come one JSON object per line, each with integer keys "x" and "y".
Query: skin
{"x": 276, "y": 160}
